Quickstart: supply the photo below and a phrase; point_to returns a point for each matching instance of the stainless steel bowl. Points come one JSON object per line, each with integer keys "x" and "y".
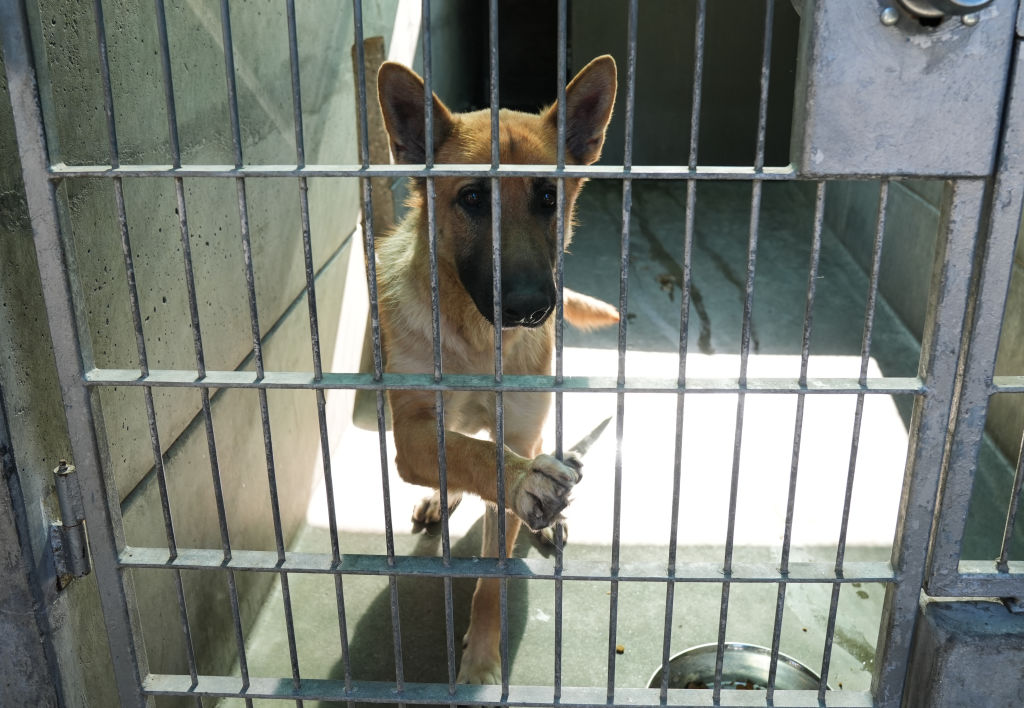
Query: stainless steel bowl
{"x": 743, "y": 666}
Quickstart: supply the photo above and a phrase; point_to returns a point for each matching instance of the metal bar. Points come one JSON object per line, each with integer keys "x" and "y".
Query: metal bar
{"x": 106, "y": 537}
{"x": 483, "y": 382}
{"x": 745, "y": 339}
{"x": 1007, "y": 384}
{"x": 499, "y": 403}
{"x": 612, "y": 172}
{"x": 172, "y": 125}
{"x": 293, "y": 64}
{"x": 627, "y": 206}
{"x": 165, "y": 65}
{"x": 1002, "y": 563}
{"x": 865, "y": 357}
{"x": 537, "y": 568}
{"x": 140, "y": 340}
{"x": 257, "y": 339}
{"x": 560, "y": 229}
{"x": 982, "y": 579}
{"x": 963, "y": 207}
{"x": 437, "y": 694}
{"x": 435, "y": 309}
{"x": 698, "y": 80}
{"x": 805, "y": 352}
{"x": 766, "y": 62}
{"x": 684, "y": 330}
{"x": 986, "y": 323}
{"x": 745, "y": 336}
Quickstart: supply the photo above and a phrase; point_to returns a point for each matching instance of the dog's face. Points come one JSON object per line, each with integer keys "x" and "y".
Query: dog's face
{"x": 463, "y": 207}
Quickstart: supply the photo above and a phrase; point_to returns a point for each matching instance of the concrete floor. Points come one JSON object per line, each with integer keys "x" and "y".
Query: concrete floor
{"x": 722, "y": 222}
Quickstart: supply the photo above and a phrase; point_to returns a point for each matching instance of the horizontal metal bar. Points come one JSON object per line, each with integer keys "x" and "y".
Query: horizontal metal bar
{"x": 531, "y": 568}
{"x": 981, "y": 579}
{"x": 466, "y": 694}
{"x": 1008, "y": 384}
{"x": 62, "y": 171}
{"x": 484, "y": 382}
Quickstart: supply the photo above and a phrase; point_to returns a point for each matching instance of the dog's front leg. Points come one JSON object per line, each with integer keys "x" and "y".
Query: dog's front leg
{"x": 481, "y": 647}
{"x": 536, "y": 490}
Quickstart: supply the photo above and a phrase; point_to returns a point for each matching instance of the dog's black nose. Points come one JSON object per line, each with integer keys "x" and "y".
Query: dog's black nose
{"x": 525, "y": 309}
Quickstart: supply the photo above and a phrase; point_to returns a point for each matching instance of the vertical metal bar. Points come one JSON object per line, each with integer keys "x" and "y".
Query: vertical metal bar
{"x": 766, "y": 61}
{"x": 172, "y": 124}
{"x": 805, "y": 352}
{"x": 684, "y": 331}
{"x": 257, "y": 338}
{"x": 627, "y": 206}
{"x": 963, "y": 205}
{"x": 106, "y": 537}
{"x": 748, "y": 303}
{"x": 987, "y": 316}
{"x": 698, "y": 79}
{"x": 745, "y": 337}
{"x": 560, "y": 226}
{"x": 140, "y": 340}
{"x": 1002, "y": 564}
{"x": 435, "y": 309}
{"x": 865, "y": 358}
{"x": 499, "y": 403}
{"x": 378, "y": 367}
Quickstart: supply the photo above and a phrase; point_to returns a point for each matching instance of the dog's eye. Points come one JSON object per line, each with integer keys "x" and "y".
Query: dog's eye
{"x": 471, "y": 198}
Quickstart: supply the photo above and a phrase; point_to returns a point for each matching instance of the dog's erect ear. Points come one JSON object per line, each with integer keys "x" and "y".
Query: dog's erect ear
{"x": 401, "y": 101}
{"x": 588, "y": 107}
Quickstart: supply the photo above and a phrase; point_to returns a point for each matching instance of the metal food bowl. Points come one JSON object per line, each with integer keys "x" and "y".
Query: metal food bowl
{"x": 744, "y": 666}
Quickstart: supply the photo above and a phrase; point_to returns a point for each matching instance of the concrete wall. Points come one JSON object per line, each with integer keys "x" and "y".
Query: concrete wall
{"x": 912, "y": 222}
{"x": 79, "y": 136}
{"x": 664, "y": 70}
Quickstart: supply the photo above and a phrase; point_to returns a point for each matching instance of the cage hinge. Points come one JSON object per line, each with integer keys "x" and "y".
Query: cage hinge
{"x": 67, "y": 538}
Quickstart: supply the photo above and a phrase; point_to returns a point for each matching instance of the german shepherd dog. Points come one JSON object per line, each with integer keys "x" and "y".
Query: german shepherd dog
{"x": 537, "y": 486}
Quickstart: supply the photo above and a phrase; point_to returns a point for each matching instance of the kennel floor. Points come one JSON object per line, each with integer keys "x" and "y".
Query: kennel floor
{"x": 647, "y": 466}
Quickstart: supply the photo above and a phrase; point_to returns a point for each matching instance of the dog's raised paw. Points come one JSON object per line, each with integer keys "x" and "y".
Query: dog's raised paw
{"x": 544, "y": 491}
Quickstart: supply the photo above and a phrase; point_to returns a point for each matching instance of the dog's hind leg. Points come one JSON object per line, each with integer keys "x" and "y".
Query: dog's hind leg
{"x": 428, "y": 511}
{"x": 481, "y": 647}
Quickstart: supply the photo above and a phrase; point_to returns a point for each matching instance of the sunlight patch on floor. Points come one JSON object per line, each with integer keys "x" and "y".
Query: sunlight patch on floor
{"x": 648, "y": 455}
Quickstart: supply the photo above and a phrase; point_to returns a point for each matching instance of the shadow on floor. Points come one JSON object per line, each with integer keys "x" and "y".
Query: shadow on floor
{"x": 421, "y": 603}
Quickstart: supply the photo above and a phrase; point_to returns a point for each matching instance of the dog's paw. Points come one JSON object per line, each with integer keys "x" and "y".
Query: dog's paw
{"x": 544, "y": 491}
{"x": 428, "y": 511}
{"x": 479, "y": 666}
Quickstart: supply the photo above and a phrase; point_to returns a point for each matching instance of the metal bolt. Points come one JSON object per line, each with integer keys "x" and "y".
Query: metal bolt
{"x": 890, "y": 16}
{"x": 970, "y": 19}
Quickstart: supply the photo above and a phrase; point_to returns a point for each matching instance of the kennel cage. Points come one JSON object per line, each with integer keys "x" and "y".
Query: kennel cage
{"x": 171, "y": 592}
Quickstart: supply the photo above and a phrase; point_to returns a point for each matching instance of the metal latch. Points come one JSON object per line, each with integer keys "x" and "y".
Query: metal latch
{"x": 938, "y": 9}
{"x": 67, "y": 539}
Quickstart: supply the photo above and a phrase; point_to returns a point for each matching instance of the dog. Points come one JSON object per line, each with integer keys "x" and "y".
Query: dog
{"x": 537, "y": 485}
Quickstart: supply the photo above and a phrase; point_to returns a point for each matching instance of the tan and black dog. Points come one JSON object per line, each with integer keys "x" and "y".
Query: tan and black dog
{"x": 537, "y": 486}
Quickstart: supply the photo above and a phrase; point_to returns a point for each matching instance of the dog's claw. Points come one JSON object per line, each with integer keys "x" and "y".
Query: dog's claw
{"x": 544, "y": 491}
{"x": 547, "y": 536}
